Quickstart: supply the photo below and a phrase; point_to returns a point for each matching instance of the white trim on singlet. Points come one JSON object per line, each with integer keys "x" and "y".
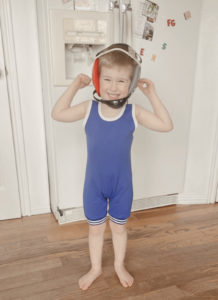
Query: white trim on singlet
{"x": 134, "y": 115}
{"x": 106, "y": 118}
{"x": 121, "y": 222}
{"x": 110, "y": 119}
{"x": 97, "y": 222}
{"x": 87, "y": 113}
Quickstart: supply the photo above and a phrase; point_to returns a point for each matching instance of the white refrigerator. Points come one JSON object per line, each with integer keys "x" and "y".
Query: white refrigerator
{"x": 165, "y": 34}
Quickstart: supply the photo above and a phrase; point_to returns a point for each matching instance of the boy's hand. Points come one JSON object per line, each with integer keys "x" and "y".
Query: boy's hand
{"x": 146, "y": 86}
{"x": 81, "y": 81}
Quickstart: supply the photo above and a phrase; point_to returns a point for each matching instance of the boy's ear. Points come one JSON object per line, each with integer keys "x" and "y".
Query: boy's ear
{"x": 95, "y": 76}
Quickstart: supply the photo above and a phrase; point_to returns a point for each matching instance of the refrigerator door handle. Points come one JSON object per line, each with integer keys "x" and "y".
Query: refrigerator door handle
{"x": 115, "y": 7}
{"x": 122, "y": 20}
{"x": 125, "y": 23}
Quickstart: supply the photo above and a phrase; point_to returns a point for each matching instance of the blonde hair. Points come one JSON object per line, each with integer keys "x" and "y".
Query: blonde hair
{"x": 117, "y": 58}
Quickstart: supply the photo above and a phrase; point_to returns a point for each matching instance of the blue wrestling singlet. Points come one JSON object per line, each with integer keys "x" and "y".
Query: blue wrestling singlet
{"x": 108, "y": 171}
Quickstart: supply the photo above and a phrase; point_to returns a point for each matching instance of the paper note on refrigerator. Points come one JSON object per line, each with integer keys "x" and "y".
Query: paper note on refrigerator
{"x": 150, "y": 10}
{"x": 146, "y": 13}
{"x": 148, "y": 32}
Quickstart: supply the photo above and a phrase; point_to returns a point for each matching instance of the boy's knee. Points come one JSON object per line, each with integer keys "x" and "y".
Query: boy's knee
{"x": 97, "y": 229}
{"x": 117, "y": 228}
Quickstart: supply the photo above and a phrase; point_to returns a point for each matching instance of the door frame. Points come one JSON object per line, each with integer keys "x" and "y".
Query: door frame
{"x": 45, "y": 60}
{"x": 15, "y": 108}
{"x": 213, "y": 180}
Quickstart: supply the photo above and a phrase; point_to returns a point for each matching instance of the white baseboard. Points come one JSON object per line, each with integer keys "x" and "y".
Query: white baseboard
{"x": 192, "y": 199}
{"x": 153, "y": 202}
{"x": 77, "y": 213}
{"x": 40, "y": 210}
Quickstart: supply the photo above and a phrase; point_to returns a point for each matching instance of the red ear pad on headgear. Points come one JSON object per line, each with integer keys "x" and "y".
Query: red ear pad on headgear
{"x": 95, "y": 77}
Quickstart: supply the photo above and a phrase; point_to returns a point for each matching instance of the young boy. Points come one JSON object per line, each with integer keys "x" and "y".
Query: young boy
{"x": 109, "y": 124}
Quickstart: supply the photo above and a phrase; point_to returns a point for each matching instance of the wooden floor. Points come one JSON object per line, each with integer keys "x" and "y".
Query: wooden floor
{"x": 172, "y": 253}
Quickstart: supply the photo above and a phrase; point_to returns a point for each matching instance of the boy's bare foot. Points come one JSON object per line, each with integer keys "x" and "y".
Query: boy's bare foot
{"x": 86, "y": 280}
{"x": 125, "y": 278}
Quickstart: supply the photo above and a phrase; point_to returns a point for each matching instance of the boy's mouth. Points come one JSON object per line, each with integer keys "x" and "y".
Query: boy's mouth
{"x": 113, "y": 96}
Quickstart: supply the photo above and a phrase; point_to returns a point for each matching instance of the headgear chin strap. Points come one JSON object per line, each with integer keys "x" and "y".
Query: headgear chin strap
{"x": 128, "y": 50}
{"x": 112, "y": 103}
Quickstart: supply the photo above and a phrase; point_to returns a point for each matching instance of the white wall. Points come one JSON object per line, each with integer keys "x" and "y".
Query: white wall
{"x": 201, "y": 154}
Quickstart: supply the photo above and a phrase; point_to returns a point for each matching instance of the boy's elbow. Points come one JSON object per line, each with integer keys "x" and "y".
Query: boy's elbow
{"x": 55, "y": 114}
{"x": 170, "y": 127}
{"x": 166, "y": 127}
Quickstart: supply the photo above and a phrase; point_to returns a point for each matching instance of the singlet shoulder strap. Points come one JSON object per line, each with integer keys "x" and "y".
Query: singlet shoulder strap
{"x": 87, "y": 113}
{"x": 134, "y": 115}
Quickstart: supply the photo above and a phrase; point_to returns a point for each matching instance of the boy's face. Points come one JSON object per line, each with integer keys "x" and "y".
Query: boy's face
{"x": 115, "y": 82}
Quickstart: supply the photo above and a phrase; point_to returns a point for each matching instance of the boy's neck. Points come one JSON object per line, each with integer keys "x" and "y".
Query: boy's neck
{"x": 105, "y": 107}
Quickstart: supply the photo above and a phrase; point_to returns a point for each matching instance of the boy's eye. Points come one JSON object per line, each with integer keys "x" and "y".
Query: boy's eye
{"x": 106, "y": 79}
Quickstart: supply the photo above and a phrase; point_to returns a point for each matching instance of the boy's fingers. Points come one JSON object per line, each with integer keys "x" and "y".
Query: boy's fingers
{"x": 86, "y": 79}
{"x": 85, "y": 76}
{"x": 144, "y": 80}
{"x": 142, "y": 83}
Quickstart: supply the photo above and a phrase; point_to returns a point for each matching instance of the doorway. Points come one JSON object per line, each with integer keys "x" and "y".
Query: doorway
{"x": 9, "y": 191}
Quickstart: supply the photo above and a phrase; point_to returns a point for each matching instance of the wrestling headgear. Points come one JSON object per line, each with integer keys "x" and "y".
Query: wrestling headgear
{"x": 128, "y": 50}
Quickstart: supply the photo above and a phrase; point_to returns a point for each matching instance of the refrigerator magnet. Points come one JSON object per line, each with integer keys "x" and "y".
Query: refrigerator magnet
{"x": 187, "y": 15}
{"x": 153, "y": 58}
{"x": 171, "y": 22}
{"x": 164, "y": 46}
{"x": 142, "y": 51}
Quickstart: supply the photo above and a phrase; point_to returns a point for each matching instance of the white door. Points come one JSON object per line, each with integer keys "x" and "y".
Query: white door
{"x": 9, "y": 192}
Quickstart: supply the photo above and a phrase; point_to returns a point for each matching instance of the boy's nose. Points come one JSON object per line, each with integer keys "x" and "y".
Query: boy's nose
{"x": 113, "y": 86}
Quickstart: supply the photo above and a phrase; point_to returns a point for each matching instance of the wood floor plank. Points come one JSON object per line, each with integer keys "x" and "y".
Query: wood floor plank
{"x": 168, "y": 293}
{"x": 24, "y": 268}
{"x": 172, "y": 252}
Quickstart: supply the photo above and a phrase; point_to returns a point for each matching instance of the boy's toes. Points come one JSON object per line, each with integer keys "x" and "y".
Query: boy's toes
{"x": 81, "y": 285}
{"x": 127, "y": 283}
{"x": 125, "y": 278}
{"x": 130, "y": 282}
{"x": 124, "y": 283}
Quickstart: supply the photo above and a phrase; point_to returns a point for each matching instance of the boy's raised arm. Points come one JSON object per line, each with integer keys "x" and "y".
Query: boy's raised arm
{"x": 62, "y": 111}
{"x": 158, "y": 120}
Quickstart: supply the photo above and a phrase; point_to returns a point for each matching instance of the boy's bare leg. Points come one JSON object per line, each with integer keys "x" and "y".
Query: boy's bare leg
{"x": 96, "y": 241}
{"x": 119, "y": 237}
